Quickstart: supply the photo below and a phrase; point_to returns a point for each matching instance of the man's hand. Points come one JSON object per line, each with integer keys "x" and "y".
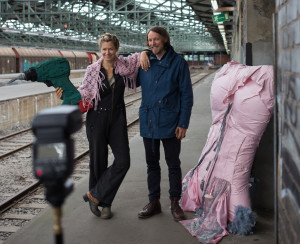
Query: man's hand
{"x": 59, "y": 92}
{"x": 180, "y": 132}
{"x": 144, "y": 60}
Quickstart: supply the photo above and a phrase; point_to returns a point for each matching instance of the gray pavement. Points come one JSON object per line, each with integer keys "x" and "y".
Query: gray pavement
{"x": 80, "y": 226}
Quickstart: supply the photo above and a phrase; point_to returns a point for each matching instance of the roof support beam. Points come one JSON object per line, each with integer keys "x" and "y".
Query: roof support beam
{"x": 86, "y": 20}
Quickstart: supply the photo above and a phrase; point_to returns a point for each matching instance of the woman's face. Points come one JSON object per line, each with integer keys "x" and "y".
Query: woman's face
{"x": 108, "y": 51}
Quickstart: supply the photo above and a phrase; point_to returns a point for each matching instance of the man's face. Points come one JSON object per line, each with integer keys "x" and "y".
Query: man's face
{"x": 156, "y": 43}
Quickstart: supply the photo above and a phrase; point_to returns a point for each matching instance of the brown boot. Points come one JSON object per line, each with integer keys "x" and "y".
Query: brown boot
{"x": 150, "y": 209}
{"x": 176, "y": 210}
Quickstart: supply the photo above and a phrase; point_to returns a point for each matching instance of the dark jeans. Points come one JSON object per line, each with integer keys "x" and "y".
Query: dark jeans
{"x": 172, "y": 148}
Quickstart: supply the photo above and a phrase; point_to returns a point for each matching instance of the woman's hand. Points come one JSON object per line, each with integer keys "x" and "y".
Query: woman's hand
{"x": 59, "y": 92}
{"x": 144, "y": 60}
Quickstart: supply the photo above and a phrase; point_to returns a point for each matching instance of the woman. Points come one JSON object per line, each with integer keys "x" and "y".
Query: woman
{"x": 102, "y": 93}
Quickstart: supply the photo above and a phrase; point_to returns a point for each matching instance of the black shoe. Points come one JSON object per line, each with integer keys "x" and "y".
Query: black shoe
{"x": 93, "y": 205}
{"x": 150, "y": 209}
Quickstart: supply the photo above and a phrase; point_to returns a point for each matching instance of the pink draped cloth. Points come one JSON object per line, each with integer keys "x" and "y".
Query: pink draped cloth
{"x": 249, "y": 90}
{"x": 92, "y": 83}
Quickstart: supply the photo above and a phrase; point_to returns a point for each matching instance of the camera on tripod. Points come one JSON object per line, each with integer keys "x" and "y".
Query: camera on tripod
{"x": 53, "y": 149}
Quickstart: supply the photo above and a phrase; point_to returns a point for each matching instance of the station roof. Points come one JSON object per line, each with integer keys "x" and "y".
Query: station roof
{"x": 78, "y": 24}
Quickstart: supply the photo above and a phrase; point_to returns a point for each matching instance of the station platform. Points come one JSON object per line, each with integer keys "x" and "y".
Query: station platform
{"x": 81, "y": 226}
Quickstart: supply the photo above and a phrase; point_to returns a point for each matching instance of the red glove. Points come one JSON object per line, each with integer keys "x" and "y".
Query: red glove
{"x": 83, "y": 109}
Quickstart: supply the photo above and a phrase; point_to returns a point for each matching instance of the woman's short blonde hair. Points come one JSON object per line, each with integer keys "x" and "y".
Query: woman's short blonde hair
{"x": 107, "y": 37}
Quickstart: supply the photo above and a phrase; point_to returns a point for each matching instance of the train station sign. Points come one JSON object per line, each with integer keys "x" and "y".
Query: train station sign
{"x": 221, "y": 17}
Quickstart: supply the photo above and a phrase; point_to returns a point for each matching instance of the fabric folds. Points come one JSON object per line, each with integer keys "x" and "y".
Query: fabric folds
{"x": 249, "y": 92}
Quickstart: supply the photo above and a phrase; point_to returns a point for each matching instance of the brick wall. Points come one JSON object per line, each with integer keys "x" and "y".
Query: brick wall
{"x": 221, "y": 60}
{"x": 288, "y": 119}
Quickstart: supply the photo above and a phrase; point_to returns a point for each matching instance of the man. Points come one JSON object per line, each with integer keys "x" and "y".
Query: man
{"x": 167, "y": 100}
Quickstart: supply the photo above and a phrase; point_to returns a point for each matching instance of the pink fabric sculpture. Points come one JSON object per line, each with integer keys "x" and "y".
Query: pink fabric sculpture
{"x": 217, "y": 188}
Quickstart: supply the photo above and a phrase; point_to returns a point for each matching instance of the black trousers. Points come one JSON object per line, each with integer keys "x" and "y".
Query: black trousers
{"x": 103, "y": 130}
{"x": 172, "y": 148}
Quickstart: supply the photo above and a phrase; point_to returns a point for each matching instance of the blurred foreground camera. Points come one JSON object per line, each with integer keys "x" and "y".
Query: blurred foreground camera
{"x": 53, "y": 150}
{"x": 53, "y": 154}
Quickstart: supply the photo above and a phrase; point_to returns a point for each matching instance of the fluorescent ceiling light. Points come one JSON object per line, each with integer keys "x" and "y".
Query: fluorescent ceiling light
{"x": 214, "y": 4}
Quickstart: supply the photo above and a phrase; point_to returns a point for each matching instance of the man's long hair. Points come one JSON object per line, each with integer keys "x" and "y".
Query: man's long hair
{"x": 162, "y": 31}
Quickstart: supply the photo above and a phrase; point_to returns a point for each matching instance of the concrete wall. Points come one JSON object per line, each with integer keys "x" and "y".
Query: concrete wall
{"x": 237, "y": 40}
{"x": 288, "y": 119}
{"x": 20, "y": 111}
{"x": 259, "y": 32}
{"x": 253, "y": 24}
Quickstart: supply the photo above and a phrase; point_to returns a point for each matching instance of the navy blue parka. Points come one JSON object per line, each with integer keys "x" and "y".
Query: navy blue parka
{"x": 167, "y": 96}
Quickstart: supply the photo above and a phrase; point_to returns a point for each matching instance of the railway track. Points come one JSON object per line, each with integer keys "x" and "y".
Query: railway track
{"x": 20, "y": 140}
{"x": 23, "y": 196}
{"x": 19, "y": 209}
{"x": 23, "y": 139}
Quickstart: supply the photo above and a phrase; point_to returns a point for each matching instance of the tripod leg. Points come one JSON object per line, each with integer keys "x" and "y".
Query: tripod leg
{"x": 57, "y": 225}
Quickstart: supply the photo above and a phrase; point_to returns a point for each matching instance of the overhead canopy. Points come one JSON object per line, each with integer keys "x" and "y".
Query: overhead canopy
{"x": 78, "y": 24}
